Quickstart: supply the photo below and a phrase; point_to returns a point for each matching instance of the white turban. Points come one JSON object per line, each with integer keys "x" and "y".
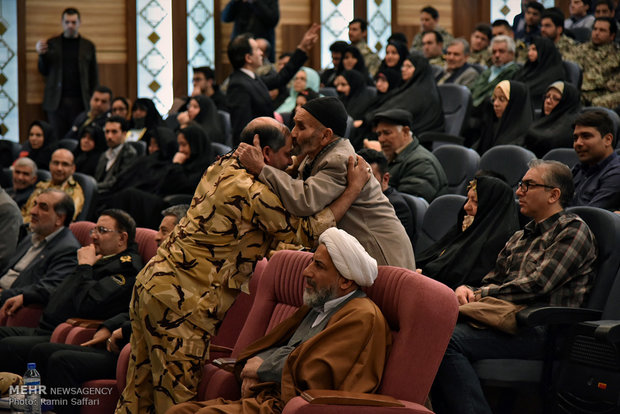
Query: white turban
{"x": 349, "y": 256}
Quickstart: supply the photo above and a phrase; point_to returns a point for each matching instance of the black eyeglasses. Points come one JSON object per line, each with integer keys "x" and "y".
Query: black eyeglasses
{"x": 525, "y": 185}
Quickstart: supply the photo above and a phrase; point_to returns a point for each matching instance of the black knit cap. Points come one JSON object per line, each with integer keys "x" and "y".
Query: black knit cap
{"x": 330, "y": 112}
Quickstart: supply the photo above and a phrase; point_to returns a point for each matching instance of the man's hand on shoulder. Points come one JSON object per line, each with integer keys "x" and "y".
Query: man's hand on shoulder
{"x": 251, "y": 156}
{"x": 87, "y": 255}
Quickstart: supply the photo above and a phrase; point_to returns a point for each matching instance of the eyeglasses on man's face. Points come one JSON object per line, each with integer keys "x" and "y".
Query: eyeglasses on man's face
{"x": 525, "y": 185}
{"x": 102, "y": 230}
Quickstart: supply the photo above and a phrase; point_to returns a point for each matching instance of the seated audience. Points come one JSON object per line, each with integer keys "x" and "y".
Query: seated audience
{"x": 418, "y": 95}
{"x": 43, "y": 258}
{"x": 597, "y": 176}
{"x": 352, "y": 59}
{"x": 144, "y": 117}
{"x": 378, "y": 163}
{"x": 343, "y": 349}
{"x": 456, "y": 69}
{"x": 554, "y": 129}
{"x": 501, "y": 27}
{"x": 579, "y": 15}
{"x": 87, "y": 153}
{"x": 395, "y": 53}
{"x": 432, "y": 47}
{"x": 234, "y": 221}
{"x": 306, "y": 78}
{"x": 172, "y": 217}
{"x": 357, "y": 34}
{"x": 353, "y": 92}
{"x": 40, "y": 144}
{"x": 24, "y": 179}
{"x": 543, "y": 67}
{"x": 508, "y": 120}
{"x": 429, "y": 20}
{"x": 479, "y": 44}
{"x": 120, "y": 107}
{"x": 248, "y": 99}
{"x": 329, "y": 75}
{"x": 600, "y": 61}
{"x": 320, "y": 178}
{"x": 117, "y": 158}
{"x": 204, "y": 83}
{"x": 552, "y": 27}
{"x": 604, "y": 8}
{"x": 62, "y": 168}
{"x": 98, "y": 113}
{"x": 504, "y": 68}
{"x": 564, "y": 250}
{"x": 469, "y": 250}
{"x": 99, "y": 287}
{"x": 413, "y": 169}
{"x": 202, "y": 111}
{"x": 10, "y": 222}
{"x": 387, "y": 80}
{"x": 531, "y": 18}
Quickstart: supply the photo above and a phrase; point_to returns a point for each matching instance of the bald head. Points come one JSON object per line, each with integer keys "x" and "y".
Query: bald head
{"x": 62, "y": 166}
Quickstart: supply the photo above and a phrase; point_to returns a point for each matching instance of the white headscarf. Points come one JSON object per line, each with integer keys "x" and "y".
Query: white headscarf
{"x": 349, "y": 256}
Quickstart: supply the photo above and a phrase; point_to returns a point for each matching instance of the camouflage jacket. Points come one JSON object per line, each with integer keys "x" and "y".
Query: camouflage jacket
{"x": 70, "y": 186}
{"x": 566, "y": 46}
{"x": 371, "y": 59}
{"x": 417, "y": 40}
{"x": 599, "y": 64}
{"x": 233, "y": 221}
{"x": 481, "y": 57}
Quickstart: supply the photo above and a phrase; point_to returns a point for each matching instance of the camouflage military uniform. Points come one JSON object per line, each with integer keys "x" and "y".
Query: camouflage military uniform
{"x": 184, "y": 292}
{"x": 599, "y": 64}
{"x": 520, "y": 51}
{"x": 610, "y": 100}
{"x": 437, "y": 60}
{"x": 566, "y": 46}
{"x": 70, "y": 186}
{"x": 417, "y": 40}
{"x": 481, "y": 57}
{"x": 371, "y": 59}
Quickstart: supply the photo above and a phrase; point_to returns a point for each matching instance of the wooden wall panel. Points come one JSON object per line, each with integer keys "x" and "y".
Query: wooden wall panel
{"x": 467, "y": 14}
{"x": 406, "y": 15}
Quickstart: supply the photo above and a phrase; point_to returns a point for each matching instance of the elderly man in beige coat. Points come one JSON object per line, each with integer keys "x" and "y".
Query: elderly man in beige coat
{"x": 321, "y": 178}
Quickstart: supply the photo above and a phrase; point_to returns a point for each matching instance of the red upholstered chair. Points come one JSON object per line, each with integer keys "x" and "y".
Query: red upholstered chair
{"x": 27, "y": 316}
{"x": 81, "y": 231}
{"x": 147, "y": 246}
{"x": 421, "y": 312}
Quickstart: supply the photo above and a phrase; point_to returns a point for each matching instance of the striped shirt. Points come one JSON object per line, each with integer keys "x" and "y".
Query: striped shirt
{"x": 548, "y": 263}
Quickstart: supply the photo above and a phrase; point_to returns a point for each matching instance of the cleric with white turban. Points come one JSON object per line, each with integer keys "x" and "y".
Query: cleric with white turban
{"x": 349, "y": 257}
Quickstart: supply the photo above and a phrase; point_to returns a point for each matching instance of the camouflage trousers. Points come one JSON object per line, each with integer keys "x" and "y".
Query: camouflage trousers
{"x": 167, "y": 357}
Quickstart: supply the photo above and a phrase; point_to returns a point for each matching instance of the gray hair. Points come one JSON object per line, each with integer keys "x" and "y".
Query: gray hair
{"x": 26, "y": 162}
{"x": 556, "y": 174}
{"x": 510, "y": 43}
{"x": 461, "y": 41}
{"x": 177, "y": 211}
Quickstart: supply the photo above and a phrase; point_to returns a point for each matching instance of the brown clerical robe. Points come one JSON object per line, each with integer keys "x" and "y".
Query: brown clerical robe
{"x": 348, "y": 355}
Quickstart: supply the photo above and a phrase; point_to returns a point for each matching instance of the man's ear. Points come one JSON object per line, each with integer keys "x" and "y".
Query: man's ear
{"x": 608, "y": 138}
{"x": 267, "y": 153}
{"x": 328, "y": 135}
{"x": 385, "y": 179}
{"x": 554, "y": 195}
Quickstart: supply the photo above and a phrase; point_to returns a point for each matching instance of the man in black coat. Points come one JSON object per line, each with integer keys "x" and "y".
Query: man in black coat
{"x": 99, "y": 287}
{"x": 69, "y": 63}
{"x": 248, "y": 94}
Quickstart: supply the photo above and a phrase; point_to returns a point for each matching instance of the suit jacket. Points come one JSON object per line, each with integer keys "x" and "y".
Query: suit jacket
{"x": 10, "y": 220}
{"x": 249, "y": 98}
{"x": 465, "y": 76}
{"x": 56, "y": 261}
{"x": 107, "y": 179}
{"x": 50, "y": 66}
{"x": 370, "y": 219}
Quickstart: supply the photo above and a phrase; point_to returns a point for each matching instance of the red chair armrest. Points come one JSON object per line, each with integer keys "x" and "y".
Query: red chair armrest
{"x": 332, "y": 397}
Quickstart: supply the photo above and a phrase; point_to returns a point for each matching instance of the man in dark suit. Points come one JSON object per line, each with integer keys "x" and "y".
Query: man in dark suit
{"x": 248, "y": 94}
{"x": 44, "y": 258}
{"x": 69, "y": 64}
{"x": 117, "y": 158}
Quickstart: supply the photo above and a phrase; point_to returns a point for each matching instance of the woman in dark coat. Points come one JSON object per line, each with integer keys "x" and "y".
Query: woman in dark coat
{"x": 555, "y": 128}
{"x": 144, "y": 118}
{"x": 353, "y": 92}
{"x": 92, "y": 145}
{"x": 395, "y": 54}
{"x": 507, "y": 121}
{"x": 352, "y": 59}
{"x": 469, "y": 250}
{"x": 40, "y": 144}
{"x": 203, "y": 112}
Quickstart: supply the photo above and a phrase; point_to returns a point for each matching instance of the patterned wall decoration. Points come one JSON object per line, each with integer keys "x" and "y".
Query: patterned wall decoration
{"x": 200, "y": 36}
{"x": 154, "y": 44}
{"x": 379, "y": 14}
{"x": 335, "y": 18}
{"x": 9, "y": 117}
{"x": 508, "y": 9}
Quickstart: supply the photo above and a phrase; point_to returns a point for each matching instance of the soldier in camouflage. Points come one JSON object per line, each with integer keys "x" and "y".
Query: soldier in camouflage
{"x": 600, "y": 62}
{"x": 479, "y": 44}
{"x": 552, "y": 26}
{"x": 184, "y": 292}
{"x": 357, "y": 33}
{"x": 429, "y": 20}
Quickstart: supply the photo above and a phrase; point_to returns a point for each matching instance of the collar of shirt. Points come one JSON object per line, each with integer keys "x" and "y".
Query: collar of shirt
{"x": 112, "y": 153}
{"x": 536, "y": 229}
{"x": 47, "y": 239}
{"x": 589, "y": 170}
{"x": 249, "y": 73}
{"x": 328, "y": 307}
{"x": 496, "y": 70}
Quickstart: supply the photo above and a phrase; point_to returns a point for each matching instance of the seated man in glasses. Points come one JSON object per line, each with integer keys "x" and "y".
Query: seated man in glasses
{"x": 99, "y": 288}
{"x": 549, "y": 262}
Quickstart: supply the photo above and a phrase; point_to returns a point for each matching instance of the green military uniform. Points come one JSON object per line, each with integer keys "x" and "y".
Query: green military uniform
{"x": 520, "y": 52}
{"x": 184, "y": 292}
{"x": 482, "y": 57}
{"x": 566, "y": 46}
{"x": 371, "y": 59}
{"x": 599, "y": 65}
{"x": 70, "y": 186}
{"x": 417, "y": 40}
{"x": 437, "y": 60}
{"x": 612, "y": 99}
{"x": 482, "y": 88}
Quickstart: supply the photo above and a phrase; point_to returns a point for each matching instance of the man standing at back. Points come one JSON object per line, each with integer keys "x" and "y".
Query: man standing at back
{"x": 321, "y": 177}
{"x": 69, "y": 64}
